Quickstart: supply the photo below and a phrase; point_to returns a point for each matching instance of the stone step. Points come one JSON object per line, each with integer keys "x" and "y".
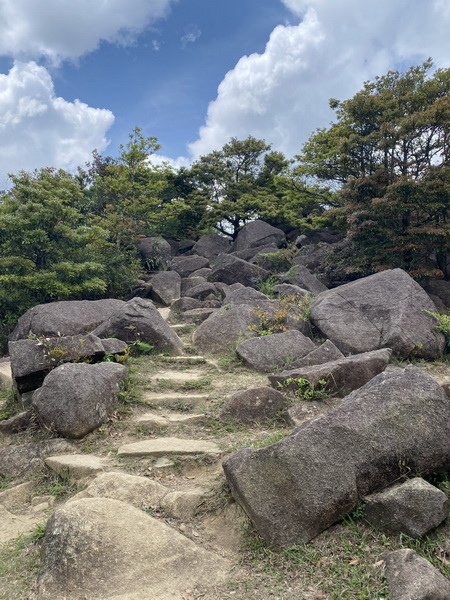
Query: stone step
{"x": 76, "y": 466}
{"x": 157, "y": 421}
{"x": 168, "y": 446}
{"x": 174, "y": 400}
{"x": 178, "y": 377}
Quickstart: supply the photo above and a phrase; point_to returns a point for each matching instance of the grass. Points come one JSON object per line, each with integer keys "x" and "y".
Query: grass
{"x": 61, "y": 486}
{"x": 19, "y": 565}
{"x": 342, "y": 563}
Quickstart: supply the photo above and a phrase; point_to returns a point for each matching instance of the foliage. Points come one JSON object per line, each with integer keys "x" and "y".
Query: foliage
{"x": 443, "y": 326}
{"x": 59, "y": 485}
{"x": 234, "y": 185}
{"x": 306, "y": 390}
{"x": 389, "y": 153}
{"x": 139, "y": 348}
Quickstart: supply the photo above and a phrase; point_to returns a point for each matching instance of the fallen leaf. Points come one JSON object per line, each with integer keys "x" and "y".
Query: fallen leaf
{"x": 379, "y": 563}
{"x": 354, "y": 562}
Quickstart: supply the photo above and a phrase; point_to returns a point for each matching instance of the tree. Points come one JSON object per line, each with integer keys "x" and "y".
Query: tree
{"x": 46, "y": 250}
{"x": 388, "y": 155}
{"x": 234, "y": 185}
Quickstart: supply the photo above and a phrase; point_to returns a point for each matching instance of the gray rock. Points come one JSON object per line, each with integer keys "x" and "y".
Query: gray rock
{"x": 185, "y": 265}
{"x": 104, "y": 548}
{"x": 342, "y": 375}
{"x": 68, "y": 317}
{"x": 204, "y": 272}
{"x": 312, "y": 256}
{"x": 114, "y": 346}
{"x": 76, "y": 398}
{"x": 296, "y": 488}
{"x": 439, "y": 288}
{"x": 307, "y": 410}
{"x": 383, "y": 310}
{"x": 16, "y": 423}
{"x": 139, "y": 320}
{"x": 196, "y": 315}
{"x": 224, "y": 289}
{"x": 166, "y": 287}
{"x": 272, "y": 352}
{"x": 32, "y": 360}
{"x": 20, "y": 460}
{"x": 187, "y": 283}
{"x": 301, "y": 277}
{"x": 289, "y": 289}
{"x": 258, "y": 233}
{"x": 202, "y": 291}
{"x": 413, "y": 507}
{"x": 155, "y": 253}
{"x": 184, "y": 304}
{"x": 326, "y": 352}
{"x": 225, "y": 328}
{"x": 256, "y": 405}
{"x": 245, "y": 295}
{"x": 211, "y": 245}
{"x": 230, "y": 269}
{"x": 411, "y": 577}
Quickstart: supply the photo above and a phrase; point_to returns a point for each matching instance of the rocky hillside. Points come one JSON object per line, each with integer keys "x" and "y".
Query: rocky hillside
{"x": 234, "y": 430}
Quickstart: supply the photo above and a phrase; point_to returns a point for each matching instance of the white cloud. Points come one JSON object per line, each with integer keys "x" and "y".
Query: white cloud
{"x": 282, "y": 94}
{"x": 159, "y": 160}
{"x": 191, "y": 34}
{"x": 38, "y": 129}
{"x": 58, "y": 29}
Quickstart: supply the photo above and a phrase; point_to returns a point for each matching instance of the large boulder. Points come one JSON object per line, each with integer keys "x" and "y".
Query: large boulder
{"x": 68, "y": 317}
{"x": 211, "y": 245}
{"x": 166, "y": 287}
{"x": 229, "y": 269}
{"x": 104, "y": 548}
{"x": 342, "y": 375}
{"x": 226, "y": 328}
{"x": 411, "y": 577}
{"x": 139, "y": 320}
{"x": 76, "y": 398}
{"x": 258, "y": 233}
{"x": 155, "y": 253}
{"x": 385, "y": 310}
{"x": 294, "y": 489}
{"x": 33, "y": 359}
{"x": 245, "y": 295}
{"x": 272, "y": 352}
{"x": 185, "y": 265}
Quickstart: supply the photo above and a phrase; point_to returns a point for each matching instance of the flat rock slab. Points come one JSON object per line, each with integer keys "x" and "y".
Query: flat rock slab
{"x": 174, "y": 400}
{"x": 167, "y": 446}
{"x": 14, "y": 525}
{"x": 76, "y": 465}
{"x": 164, "y": 420}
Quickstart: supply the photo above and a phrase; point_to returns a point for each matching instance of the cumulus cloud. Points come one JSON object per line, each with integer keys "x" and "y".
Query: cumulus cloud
{"x": 282, "y": 94}
{"x": 38, "y": 129}
{"x": 61, "y": 30}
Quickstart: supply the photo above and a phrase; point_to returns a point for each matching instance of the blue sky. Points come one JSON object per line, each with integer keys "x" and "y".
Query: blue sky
{"x": 75, "y": 76}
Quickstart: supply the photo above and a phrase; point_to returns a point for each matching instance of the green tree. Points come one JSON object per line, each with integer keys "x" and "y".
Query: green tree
{"x": 46, "y": 250}
{"x": 388, "y": 155}
{"x": 235, "y": 185}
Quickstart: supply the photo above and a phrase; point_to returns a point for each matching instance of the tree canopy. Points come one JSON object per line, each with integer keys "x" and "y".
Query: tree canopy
{"x": 388, "y": 155}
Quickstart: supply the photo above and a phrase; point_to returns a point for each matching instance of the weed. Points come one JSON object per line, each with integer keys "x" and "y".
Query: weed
{"x": 129, "y": 392}
{"x": 274, "y": 437}
{"x": 443, "y": 326}
{"x": 305, "y": 390}
{"x": 5, "y": 481}
{"x": 8, "y": 403}
{"x": 199, "y": 384}
{"x": 54, "y": 484}
{"x": 266, "y": 287}
{"x": 139, "y": 348}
